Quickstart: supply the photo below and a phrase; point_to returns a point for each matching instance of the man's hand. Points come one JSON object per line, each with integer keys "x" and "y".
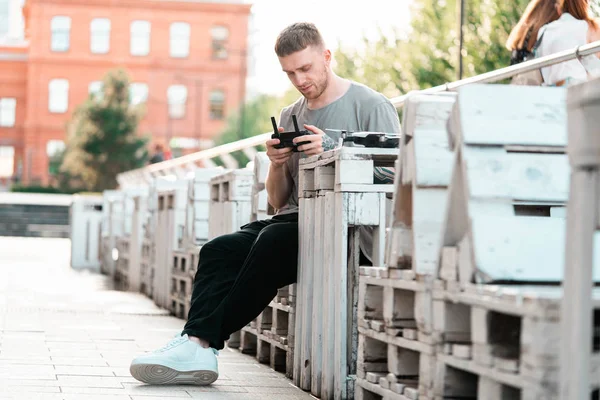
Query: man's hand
{"x": 316, "y": 141}
{"x": 278, "y": 157}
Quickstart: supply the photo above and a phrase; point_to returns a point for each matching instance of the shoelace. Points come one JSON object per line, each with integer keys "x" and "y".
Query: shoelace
{"x": 172, "y": 343}
{"x": 177, "y": 340}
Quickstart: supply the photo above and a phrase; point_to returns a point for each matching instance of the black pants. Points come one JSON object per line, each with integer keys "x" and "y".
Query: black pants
{"x": 239, "y": 274}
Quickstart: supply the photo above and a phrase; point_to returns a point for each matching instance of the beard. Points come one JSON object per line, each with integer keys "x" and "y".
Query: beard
{"x": 317, "y": 88}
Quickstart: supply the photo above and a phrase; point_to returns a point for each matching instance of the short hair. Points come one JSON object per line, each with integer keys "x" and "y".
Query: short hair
{"x": 297, "y": 37}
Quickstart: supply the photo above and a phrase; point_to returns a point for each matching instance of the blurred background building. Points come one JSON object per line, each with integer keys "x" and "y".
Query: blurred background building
{"x": 186, "y": 60}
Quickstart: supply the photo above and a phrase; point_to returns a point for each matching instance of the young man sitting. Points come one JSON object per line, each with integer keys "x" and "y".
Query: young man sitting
{"x": 239, "y": 273}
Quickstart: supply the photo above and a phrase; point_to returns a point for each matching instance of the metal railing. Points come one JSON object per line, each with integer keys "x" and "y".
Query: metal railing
{"x": 179, "y": 166}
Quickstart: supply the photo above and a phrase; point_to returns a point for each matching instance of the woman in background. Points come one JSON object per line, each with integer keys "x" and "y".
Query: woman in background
{"x": 525, "y": 34}
{"x": 574, "y": 27}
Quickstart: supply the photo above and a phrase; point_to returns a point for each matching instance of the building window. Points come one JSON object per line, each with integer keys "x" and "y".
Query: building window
{"x": 217, "y": 104}
{"x": 4, "y": 17}
{"x": 219, "y": 35}
{"x": 54, "y": 151}
{"x": 58, "y": 99}
{"x": 95, "y": 90}
{"x": 7, "y": 161}
{"x": 100, "y": 35}
{"x": 180, "y": 39}
{"x": 177, "y": 97}
{"x": 61, "y": 33}
{"x": 139, "y": 44}
{"x": 138, "y": 93}
{"x": 8, "y": 108}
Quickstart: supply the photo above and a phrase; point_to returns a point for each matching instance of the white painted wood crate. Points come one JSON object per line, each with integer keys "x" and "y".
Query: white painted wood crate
{"x": 139, "y": 217}
{"x": 86, "y": 232}
{"x": 146, "y": 270}
{"x": 149, "y": 243}
{"x": 230, "y": 202}
{"x": 337, "y": 196}
{"x": 260, "y": 205}
{"x": 420, "y": 189}
{"x": 112, "y": 227}
{"x": 395, "y": 356}
{"x": 198, "y": 206}
{"x": 129, "y": 245}
{"x": 504, "y": 223}
{"x": 182, "y": 279}
{"x": 394, "y": 306}
{"x": 169, "y": 233}
{"x": 502, "y": 220}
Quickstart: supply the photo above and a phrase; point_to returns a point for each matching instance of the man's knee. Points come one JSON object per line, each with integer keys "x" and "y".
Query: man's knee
{"x": 284, "y": 234}
{"x": 218, "y": 247}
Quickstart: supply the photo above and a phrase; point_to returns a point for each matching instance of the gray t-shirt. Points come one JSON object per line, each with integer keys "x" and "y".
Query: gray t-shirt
{"x": 359, "y": 109}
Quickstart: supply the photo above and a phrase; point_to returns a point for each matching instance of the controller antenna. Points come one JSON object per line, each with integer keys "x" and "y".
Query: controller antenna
{"x": 295, "y": 123}
{"x": 275, "y": 129}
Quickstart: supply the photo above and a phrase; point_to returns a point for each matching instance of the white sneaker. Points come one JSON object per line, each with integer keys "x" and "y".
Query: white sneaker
{"x": 181, "y": 361}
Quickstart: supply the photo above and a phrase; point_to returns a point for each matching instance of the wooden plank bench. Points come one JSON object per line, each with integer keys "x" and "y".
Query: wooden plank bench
{"x": 337, "y": 196}
{"x": 505, "y": 223}
{"x": 394, "y": 307}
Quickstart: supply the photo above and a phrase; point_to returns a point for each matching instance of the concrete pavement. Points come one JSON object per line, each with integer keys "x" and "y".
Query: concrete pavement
{"x": 67, "y": 335}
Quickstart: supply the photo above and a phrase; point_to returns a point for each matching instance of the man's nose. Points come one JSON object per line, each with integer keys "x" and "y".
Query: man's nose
{"x": 300, "y": 79}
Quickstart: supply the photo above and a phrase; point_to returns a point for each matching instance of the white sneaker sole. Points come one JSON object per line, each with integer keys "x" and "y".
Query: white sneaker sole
{"x": 155, "y": 374}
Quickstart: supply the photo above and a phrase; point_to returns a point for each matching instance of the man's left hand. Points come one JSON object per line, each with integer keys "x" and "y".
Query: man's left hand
{"x": 315, "y": 145}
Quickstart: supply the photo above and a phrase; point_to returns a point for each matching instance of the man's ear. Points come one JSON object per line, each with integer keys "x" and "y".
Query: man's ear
{"x": 327, "y": 56}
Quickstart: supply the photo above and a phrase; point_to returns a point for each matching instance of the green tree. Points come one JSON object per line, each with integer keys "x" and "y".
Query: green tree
{"x": 427, "y": 54}
{"x": 102, "y": 136}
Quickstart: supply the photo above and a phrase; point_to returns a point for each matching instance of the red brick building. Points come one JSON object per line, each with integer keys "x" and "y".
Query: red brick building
{"x": 186, "y": 60}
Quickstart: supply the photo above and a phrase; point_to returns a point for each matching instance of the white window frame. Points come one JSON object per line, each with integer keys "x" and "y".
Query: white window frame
{"x": 219, "y": 35}
{"x": 139, "y": 37}
{"x": 54, "y": 147}
{"x": 5, "y": 17}
{"x": 138, "y": 93}
{"x": 179, "y": 39}
{"x": 96, "y": 90}
{"x": 100, "y": 35}
{"x": 7, "y": 161}
{"x": 58, "y": 96}
{"x": 8, "y": 111}
{"x": 213, "y": 101}
{"x": 177, "y": 99}
{"x": 60, "y": 37}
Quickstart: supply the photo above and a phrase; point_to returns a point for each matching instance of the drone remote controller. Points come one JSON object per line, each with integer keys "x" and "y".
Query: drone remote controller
{"x": 286, "y": 139}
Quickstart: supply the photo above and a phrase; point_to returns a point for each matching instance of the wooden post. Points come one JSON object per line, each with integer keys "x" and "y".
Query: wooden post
{"x": 582, "y": 221}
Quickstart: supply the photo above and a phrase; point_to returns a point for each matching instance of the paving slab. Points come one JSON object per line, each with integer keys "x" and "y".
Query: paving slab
{"x": 68, "y": 335}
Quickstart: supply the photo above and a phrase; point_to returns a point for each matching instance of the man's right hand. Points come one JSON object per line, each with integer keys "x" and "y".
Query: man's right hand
{"x": 278, "y": 157}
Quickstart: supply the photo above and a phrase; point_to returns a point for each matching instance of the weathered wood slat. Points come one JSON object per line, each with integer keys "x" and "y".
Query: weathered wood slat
{"x": 493, "y": 173}
{"x": 504, "y": 114}
{"x": 433, "y": 158}
{"x": 327, "y": 384}
{"x": 340, "y": 267}
{"x": 318, "y": 267}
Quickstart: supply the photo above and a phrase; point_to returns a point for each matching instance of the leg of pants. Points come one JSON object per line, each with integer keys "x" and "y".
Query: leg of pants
{"x": 239, "y": 274}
